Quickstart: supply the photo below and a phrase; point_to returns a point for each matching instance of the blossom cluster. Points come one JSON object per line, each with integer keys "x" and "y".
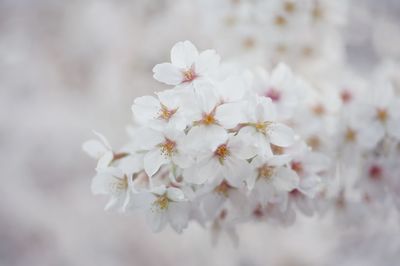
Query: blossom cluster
{"x": 217, "y": 147}
{"x": 298, "y": 32}
{"x": 356, "y": 125}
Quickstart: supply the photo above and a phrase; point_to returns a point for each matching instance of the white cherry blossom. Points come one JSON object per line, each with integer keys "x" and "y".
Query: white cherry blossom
{"x": 187, "y": 66}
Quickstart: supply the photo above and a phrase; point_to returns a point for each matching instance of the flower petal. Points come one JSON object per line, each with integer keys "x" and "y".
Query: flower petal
{"x": 281, "y": 135}
{"x": 157, "y": 219}
{"x": 145, "y": 108}
{"x": 207, "y": 61}
{"x": 229, "y": 115}
{"x": 178, "y": 215}
{"x": 168, "y": 74}
{"x": 175, "y": 194}
{"x": 183, "y": 54}
{"x": 153, "y": 161}
{"x": 285, "y": 179}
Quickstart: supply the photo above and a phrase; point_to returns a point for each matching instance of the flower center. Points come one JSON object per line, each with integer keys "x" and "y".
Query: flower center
{"x": 281, "y": 49}
{"x": 222, "y": 152}
{"x": 120, "y": 184}
{"x": 346, "y": 96}
{"x": 274, "y": 94}
{"x": 208, "y": 119}
{"x": 295, "y": 193}
{"x": 162, "y": 202}
{"x": 297, "y": 167}
{"x": 258, "y": 211}
{"x": 314, "y": 142}
{"x": 382, "y": 115}
{"x": 261, "y": 127}
{"x": 249, "y": 43}
{"x": 318, "y": 109}
{"x": 375, "y": 172}
{"x": 189, "y": 75}
{"x": 289, "y": 7}
{"x": 266, "y": 171}
{"x": 280, "y": 21}
{"x": 317, "y": 12}
{"x": 168, "y": 148}
{"x": 166, "y": 113}
{"x": 277, "y": 150}
{"x": 223, "y": 188}
{"x": 307, "y": 51}
{"x": 350, "y": 135}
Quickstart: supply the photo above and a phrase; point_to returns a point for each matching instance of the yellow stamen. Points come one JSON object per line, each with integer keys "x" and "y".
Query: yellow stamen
{"x": 223, "y": 188}
{"x": 262, "y": 126}
{"x": 121, "y": 184}
{"x": 249, "y": 43}
{"x": 208, "y": 119}
{"x": 280, "y": 21}
{"x": 168, "y": 148}
{"x": 319, "y": 110}
{"x": 266, "y": 171}
{"x": 188, "y": 75}
{"x": 314, "y": 142}
{"x": 165, "y": 113}
{"x": 317, "y": 12}
{"x": 162, "y": 202}
{"x": 382, "y": 115}
{"x": 350, "y": 135}
{"x": 277, "y": 150}
{"x": 222, "y": 152}
{"x": 289, "y": 7}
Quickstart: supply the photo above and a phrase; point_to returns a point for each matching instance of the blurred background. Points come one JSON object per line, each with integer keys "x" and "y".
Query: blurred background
{"x": 67, "y": 67}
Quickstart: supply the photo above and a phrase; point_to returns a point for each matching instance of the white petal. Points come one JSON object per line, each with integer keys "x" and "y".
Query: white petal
{"x": 168, "y": 74}
{"x": 281, "y": 73}
{"x": 94, "y": 148}
{"x": 285, "y": 179}
{"x": 147, "y": 138}
{"x": 182, "y": 160}
{"x": 230, "y": 115}
{"x": 205, "y": 170}
{"x": 393, "y": 127}
{"x": 145, "y": 108}
{"x": 370, "y": 135}
{"x": 100, "y": 184}
{"x": 305, "y": 205}
{"x": 178, "y": 215}
{"x": 251, "y": 180}
{"x": 242, "y": 147}
{"x": 116, "y": 201}
{"x": 104, "y": 181}
{"x": 157, "y": 219}
{"x": 235, "y": 171}
{"x": 105, "y": 160}
{"x": 279, "y": 160}
{"x": 207, "y": 137}
{"x": 170, "y": 98}
{"x": 103, "y": 139}
{"x": 310, "y": 185}
{"x": 183, "y": 54}
{"x": 175, "y": 194}
{"x": 281, "y": 135}
{"x": 232, "y": 89}
{"x": 207, "y": 61}
{"x": 206, "y": 98}
{"x": 141, "y": 200}
{"x": 315, "y": 162}
{"x": 212, "y": 203}
{"x": 153, "y": 161}
{"x": 131, "y": 164}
